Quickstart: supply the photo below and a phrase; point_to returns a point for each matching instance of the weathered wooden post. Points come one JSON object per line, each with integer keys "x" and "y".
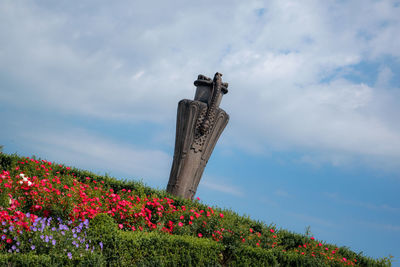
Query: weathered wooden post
{"x": 199, "y": 124}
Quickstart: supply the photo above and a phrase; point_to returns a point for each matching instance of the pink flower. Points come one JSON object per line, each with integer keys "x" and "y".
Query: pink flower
{"x": 200, "y": 235}
{"x": 272, "y": 230}
{"x": 344, "y": 259}
{"x": 312, "y": 238}
{"x": 120, "y": 226}
{"x": 180, "y": 224}
{"x": 221, "y": 215}
{"x": 37, "y": 207}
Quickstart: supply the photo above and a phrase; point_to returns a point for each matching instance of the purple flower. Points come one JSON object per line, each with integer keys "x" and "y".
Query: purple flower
{"x": 33, "y": 247}
{"x": 101, "y": 245}
{"x": 53, "y": 242}
{"x": 69, "y": 255}
{"x": 13, "y": 247}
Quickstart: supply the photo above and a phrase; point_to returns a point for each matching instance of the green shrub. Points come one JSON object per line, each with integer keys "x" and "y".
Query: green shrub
{"x": 251, "y": 256}
{"x": 158, "y": 249}
{"x": 103, "y": 231}
{"x": 32, "y": 260}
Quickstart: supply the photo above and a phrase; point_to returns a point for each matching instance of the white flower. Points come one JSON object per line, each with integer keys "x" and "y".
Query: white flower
{"x": 21, "y": 182}
{"x": 10, "y": 201}
{"x": 29, "y": 183}
{"x": 25, "y": 179}
{"x": 22, "y": 175}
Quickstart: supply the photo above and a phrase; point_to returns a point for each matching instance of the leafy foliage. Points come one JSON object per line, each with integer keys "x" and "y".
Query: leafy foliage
{"x": 80, "y": 218}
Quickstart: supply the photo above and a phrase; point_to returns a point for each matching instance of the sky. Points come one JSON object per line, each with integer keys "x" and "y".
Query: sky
{"x": 313, "y": 138}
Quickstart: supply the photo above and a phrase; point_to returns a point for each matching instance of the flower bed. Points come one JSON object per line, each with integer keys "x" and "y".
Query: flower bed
{"x": 48, "y": 208}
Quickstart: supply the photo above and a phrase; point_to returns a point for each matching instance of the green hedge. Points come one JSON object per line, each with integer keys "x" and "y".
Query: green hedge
{"x": 155, "y": 249}
{"x": 34, "y": 260}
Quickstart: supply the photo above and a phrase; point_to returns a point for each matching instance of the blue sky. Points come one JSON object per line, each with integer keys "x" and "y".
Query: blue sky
{"x": 313, "y": 139}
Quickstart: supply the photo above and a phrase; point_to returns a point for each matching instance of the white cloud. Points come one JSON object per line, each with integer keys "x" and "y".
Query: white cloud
{"x": 384, "y": 77}
{"x": 219, "y": 185}
{"x": 367, "y": 205}
{"x": 80, "y": 148}
{"x": 381, "y": 226}
{"x": 281, "y": 193}
{"x": 130, "y": 61}
{"x": 308, "y": 219}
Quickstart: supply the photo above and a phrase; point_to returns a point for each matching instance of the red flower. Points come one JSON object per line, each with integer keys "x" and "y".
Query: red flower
{"x": 37, "y": 207}
{"x": 221, "y": 215}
